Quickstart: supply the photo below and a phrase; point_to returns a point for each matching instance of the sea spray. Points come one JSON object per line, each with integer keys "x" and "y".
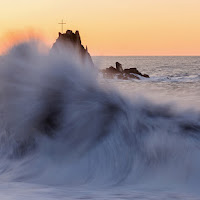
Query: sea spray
{"x": 59, "y": 126}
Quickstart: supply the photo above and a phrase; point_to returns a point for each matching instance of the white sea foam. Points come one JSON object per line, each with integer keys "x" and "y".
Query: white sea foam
{"x": 61, "y": 129}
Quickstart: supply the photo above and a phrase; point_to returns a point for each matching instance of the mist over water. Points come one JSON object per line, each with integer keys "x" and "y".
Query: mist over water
{"x": 65, "y": 134}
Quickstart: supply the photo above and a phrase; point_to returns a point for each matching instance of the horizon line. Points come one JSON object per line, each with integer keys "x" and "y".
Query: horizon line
{"x": 145, "y": 55}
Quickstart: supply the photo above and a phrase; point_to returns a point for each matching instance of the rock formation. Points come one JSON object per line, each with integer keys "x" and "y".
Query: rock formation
{"x": 131, "y": 73}
{"x": 70, "y": 43}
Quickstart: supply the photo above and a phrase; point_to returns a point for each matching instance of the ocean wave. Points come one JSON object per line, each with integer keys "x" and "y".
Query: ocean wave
{"x": 59, "y": 126}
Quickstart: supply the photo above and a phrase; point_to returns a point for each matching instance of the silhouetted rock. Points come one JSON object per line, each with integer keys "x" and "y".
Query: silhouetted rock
{"x": 119, "y": 67}
{"x": 146, "y": 75}
{"x": 118, "y": 72}
{"x": 112, "y": 70}
{"x": 70, "y": 43}
{"x": 132, "y": 70}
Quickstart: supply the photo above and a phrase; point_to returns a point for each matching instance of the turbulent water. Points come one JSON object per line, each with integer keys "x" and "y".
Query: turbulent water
{"x": 66, "y": 133}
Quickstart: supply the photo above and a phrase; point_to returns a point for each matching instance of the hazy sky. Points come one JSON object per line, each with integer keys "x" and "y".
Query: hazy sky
{"x": 109, "y": 27}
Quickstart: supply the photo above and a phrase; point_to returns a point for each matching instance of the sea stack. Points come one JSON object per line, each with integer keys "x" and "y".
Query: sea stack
{"x": 70, "y": 43}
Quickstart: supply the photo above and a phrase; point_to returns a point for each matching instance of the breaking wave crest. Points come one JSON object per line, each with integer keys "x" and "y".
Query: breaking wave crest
{"x": 58, "y": 126}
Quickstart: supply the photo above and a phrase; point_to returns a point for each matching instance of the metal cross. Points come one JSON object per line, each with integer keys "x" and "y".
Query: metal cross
{"x": 62, "y": 25}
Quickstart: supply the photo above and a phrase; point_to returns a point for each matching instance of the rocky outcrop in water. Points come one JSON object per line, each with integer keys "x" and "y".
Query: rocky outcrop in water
{"x": 120, "y": 73}
{"x": 70, "y": 43}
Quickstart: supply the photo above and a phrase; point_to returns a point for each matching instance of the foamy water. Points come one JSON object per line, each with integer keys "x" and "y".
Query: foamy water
{"x": 66, "y": 133}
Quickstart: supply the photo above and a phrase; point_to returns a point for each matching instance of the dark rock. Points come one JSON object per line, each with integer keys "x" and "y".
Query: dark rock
{"x": 111, "y": 69}
{"x": 77, "y": 37}
{"x": 119, "y": 67}
{"x": 146, "y": 75}
{"x": 109, "y": 72}
{"x": 131, "y": 73}
{"x": 70, "y": 43}
{"x": 132, "y": 70}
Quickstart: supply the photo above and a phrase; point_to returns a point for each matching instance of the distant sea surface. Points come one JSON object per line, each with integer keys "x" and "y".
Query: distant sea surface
{"x": 171, "y": 77}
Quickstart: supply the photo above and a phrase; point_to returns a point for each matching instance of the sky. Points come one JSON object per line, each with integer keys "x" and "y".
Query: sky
{"x": 107, "y": 27}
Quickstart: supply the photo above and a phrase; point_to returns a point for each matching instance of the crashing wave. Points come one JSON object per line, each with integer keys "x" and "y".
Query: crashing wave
{"x": 58, "y": 126}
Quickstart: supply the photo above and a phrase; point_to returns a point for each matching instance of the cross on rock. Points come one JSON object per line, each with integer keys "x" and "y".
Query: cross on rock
{"x": 62, "y": 23}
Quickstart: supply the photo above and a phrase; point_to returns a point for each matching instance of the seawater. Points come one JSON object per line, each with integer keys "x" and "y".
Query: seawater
{"x": 171, "y": 77}
{"x": 67, "y": 133}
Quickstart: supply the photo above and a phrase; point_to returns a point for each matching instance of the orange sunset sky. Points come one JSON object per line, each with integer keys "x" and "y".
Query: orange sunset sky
{"x": 108, "y": 27}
